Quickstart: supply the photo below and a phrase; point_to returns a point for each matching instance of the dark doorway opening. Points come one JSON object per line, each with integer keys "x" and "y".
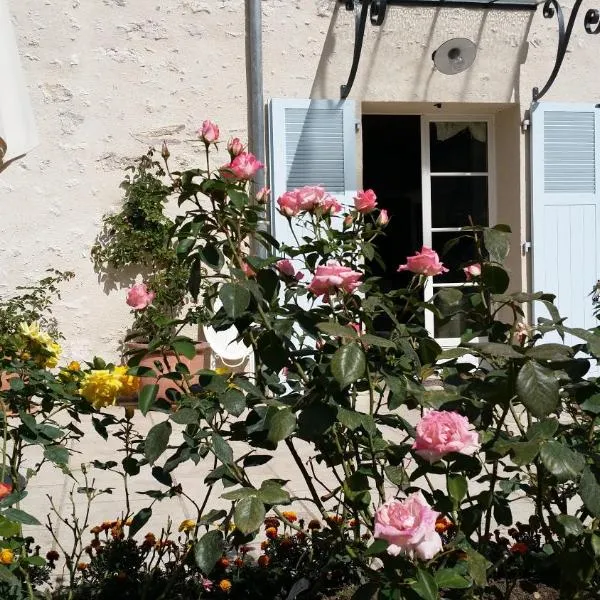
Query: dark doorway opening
{"x": 392, "y": 168}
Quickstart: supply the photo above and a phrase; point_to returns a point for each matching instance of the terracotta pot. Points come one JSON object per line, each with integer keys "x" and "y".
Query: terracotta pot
{"x": 200, "y": 361}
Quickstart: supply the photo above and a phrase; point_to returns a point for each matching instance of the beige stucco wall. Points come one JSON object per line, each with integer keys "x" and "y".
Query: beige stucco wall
{"x": 108, "y": 78}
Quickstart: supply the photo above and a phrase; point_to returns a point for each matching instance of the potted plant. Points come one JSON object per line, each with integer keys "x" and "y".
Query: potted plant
{"x": 137, "y": 240}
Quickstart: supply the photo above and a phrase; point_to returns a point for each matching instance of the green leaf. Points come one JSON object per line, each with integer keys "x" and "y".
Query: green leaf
{"x": 367, "y": 591}
{"x": 20, "y": 516}
{"x": 271, "y": 492}
{"x": 592, "y": 404}
{"x": 57, "y": 454}
{"x": 147, "y": 397}
{"x": 524, "y": 453}
{"x": 7, "y": 576}
{"x": 477, "y": 566}
{"x": 8, "y": 528}
{"x": 495, "y": 278}
{"x": 457, "y": 488}
{"x": 589, "y": 490}
{"x": 222, "y": 449}
{"x": 398, "y": 476}
{"x": 240, "y": 493}
{"x": 348, "y": 364}
{"x": 356, "y": 490}
{"x": 249, "y": 514}
{"x": 537, "y": 388}
{"x": 157, "y": 441}
{"x": 561, "y": 461}
{"x": 272, "y": 351}
{"x": 185, "y": 347}
{"x": 235, "y": 299}
{"x": 542, "y": 430}
{"x": 497, "y": 243}
{"x": 234, "y": 401}
{"x": 211, "y": 256}
{"x": 350, "y": 418}
{"x": 550, "y": 352}
{"x": 425, "y": 586}
{"x": 238, "y": 198}
{"x": 282, "y": 425}
{"x": 496, "y": 350}
{"x": 184, "y": 246}
{"x": 568, "y": 525}
{"x": 209, "y": 548}
{"x": 374, "y": 340}
{"x": 185, "y": 416}
{"x": 336, "y": 330}
{"x": 140, "y": 519}
{"x": 377, "y": 547}
{"x": 452, "y": 579}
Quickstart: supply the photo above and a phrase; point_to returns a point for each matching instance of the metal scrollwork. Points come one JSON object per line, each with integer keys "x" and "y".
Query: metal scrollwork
{"x": 376, "y": 10}
{"x": 591, "y": 23}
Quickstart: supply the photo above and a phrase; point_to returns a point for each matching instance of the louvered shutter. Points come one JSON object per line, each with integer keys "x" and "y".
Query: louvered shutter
{"x": 17, "y": 126}
{"x": 565, "y": 151}
{"x": 312, "y": 142}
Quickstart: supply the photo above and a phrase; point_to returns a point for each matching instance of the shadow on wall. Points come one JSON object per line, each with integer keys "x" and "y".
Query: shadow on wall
{"x": 491, "y": 31}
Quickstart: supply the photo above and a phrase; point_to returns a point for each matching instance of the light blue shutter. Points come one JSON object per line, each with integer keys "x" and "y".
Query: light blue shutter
{"x": 312, "y": 142}
{"x": 565, "y": 150}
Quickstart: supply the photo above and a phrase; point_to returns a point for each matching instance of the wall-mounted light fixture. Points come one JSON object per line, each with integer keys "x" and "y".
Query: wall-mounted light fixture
{"x": 454, "y": 56}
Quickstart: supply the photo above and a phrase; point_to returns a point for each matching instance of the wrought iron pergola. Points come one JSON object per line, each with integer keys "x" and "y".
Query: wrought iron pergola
{"x": 375, "y": 11}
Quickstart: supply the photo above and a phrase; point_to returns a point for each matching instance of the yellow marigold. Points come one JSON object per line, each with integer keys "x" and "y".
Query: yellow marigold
{"x": 187, "y": 525}
{"x": 74, "y": 366}
{"x": 6, "y": 556}
{"x": 100, "y": 388}
{"x": 131, "y": 384}
{"x": 225, "y": 585}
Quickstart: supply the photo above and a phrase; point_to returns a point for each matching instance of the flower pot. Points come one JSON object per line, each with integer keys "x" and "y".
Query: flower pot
{"x": 200, "y": 361}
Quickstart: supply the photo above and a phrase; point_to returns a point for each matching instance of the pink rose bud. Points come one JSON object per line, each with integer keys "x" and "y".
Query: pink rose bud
{"x": 356, "y": 327}
{"x": 320, "y": 344}
{"x": 440, "y": 432}
{"x": 288, "y": 204}
{"x": 248, "y": 270}
{"x": 348, "y": 220}
{"x": 235, "y": 147}
{"x": 427, "y": 262}
{"x": 285, "y": 267}
{"x": 521, "y": 333}
{"x": 332, "y": 277}
{"x": 383, "y": 219}
{"x": 244, "y": 166}
{"x": 472, "y": 271}
{"x": 365, "y": 201}
{"x": 409, "y": 527}
{"x": 262, "y": 196}
{"x": 164, "y": 152}
{"x": 209, "y": 132}
{"x": 138, "y": 296}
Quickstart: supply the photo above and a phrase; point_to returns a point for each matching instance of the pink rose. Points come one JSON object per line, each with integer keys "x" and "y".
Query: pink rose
{"x": 312, "y": 198}
{"x": 332, "y": 277}
{"x": 262, "y": 196}
{"x": 409, "y": 527}
{"x": 285, "y": 267}
{"x": 521, "y": 334}
{"x": 288, "y": 204}
{"x": 209, "y": 132}
{"x": 235, "y": 147}
{"x": 138, "y": 296}
{"x": 330, "y": 206}
{"x": 440, "y": 432}
{"x": 365, "y": 201}
{"x": 244, "y": 166}
{"x": 383, "y": 218}
{"x": 472, "y": 271}
{"x": 427, "y": 262}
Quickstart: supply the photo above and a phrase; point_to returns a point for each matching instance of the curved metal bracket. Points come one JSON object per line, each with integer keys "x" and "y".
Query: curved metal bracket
{"x": 591, "y": 22}
{"x": 376, "y": 9}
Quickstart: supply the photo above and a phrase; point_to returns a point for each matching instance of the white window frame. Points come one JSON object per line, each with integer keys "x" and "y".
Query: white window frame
{"x": 426, "y": 175}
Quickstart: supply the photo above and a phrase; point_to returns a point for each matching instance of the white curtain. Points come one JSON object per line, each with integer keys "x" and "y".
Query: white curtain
{"x": 17, "y": 126}
{"x": 445, "y": 131}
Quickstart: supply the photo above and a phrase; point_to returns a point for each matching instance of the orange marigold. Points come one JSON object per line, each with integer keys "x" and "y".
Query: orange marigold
{"x": 271, "y": 533}
{"x": 82, "y": 566}
{"x": 263, "y": 561}
{"x": 290, "y": 515}
{"x": 271, "y": 522}
{"x": 442, "y": 524}
{"x": 225, "y": 585}
{"x": 314, "y": 524}
{"x": 223, "y": 562}
{"x": 238, "y": 562}
{"x": 264, "y": 544}
{"x": 519, "y": 548}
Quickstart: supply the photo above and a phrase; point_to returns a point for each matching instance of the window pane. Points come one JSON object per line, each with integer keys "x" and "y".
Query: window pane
{"x": 458, "y": 147}
{"x": 456, "y": 250}
{"x": 455, "y": 199}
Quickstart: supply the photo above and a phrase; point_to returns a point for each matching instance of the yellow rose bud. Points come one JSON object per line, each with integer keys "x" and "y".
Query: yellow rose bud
{"x": 6, "y": 556}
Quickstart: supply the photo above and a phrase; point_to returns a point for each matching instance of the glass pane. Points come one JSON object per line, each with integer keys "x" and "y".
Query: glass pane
{"x": 455, "y": 199}
{"x": 455, "y": 250}
{"x": 454, "y": 326}
{"x": 458, "y": 147}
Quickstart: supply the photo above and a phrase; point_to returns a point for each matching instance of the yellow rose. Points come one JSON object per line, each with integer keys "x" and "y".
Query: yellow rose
{"x": 74, "y": 366}
{"x": 100, "y": 388}
{"x": 6, "y": 556}
{"x": 130, "y": 383}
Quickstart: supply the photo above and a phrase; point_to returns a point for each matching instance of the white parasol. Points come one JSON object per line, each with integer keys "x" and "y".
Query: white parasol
{"x": 18, "y": 134}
